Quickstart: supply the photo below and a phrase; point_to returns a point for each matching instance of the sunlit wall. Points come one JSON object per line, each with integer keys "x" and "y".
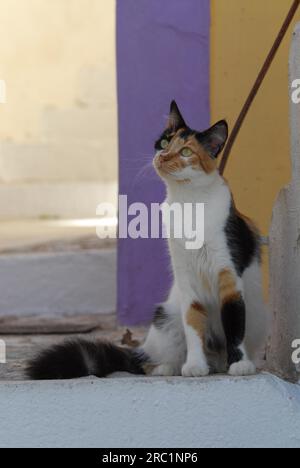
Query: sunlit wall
{"x": 59, "y": 124}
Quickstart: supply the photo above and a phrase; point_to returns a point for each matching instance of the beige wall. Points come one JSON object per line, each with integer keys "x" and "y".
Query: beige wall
{"x": 60, "y": 120}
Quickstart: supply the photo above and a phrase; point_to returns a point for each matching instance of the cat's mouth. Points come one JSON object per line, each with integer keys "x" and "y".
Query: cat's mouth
{"x": 161, "y": 168}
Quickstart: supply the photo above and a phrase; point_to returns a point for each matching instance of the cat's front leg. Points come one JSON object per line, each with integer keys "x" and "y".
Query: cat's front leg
{"x": 233, "y": 312}
{"x": 195, "y": 319}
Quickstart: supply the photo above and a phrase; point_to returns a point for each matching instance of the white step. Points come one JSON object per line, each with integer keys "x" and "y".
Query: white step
{"x": 62, "y": 200}
{"x": 57, "y": 284}
{"x": 214, "y": 412}
{"x": 55, "y": 162}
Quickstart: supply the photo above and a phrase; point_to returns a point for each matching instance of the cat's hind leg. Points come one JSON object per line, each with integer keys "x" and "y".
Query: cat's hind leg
{"x": 233, "y": 312}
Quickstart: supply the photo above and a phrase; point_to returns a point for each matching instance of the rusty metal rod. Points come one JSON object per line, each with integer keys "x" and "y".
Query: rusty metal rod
{"x": 257, "y": 85}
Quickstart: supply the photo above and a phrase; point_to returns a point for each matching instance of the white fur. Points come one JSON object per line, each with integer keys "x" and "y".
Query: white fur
{"x": 178, "y": 350}
{"x": 242, "y": 368}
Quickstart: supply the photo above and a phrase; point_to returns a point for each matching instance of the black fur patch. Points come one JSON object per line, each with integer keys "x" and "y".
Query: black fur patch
{"x": 82, "y": 358}
{"x": 234, "y": 323}
{"x": 166, "y": 135}
{"x": 243, "y": 243}
{"x": 187, "y": 133}
{"x": 169, "y": 134}
{"x": 214, "y": 139}
{"x": 215, "y": 344}
{"x": 160, "y": 318}
{"x": 234, "y": 355}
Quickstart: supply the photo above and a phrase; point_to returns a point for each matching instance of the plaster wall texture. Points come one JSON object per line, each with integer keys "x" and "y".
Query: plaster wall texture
{"x": 59, "y": 124}
{"x": 57, "y": 284}
{"x": 260, "y": 411}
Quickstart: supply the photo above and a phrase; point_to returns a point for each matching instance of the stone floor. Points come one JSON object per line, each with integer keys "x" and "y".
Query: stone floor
{"x": 25, "y": 336}
{"x": 21, "y": 347}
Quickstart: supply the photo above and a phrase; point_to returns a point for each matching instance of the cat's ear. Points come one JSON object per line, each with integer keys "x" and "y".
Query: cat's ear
{"x": 214, "y": 139}
{"x": 175, "y": 120}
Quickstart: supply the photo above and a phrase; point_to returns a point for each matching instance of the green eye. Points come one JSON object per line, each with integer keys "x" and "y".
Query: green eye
{"x": 164, "y": 144}
{"x": 186, "y": 152}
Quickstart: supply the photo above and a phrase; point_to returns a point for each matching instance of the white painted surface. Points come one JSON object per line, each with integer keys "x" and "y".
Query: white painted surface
{"x": 66, "y": 60}
{"x": 70, "y": 160}
{"x": 285, "y": 249}
{"x": 93, "y": 123}
{"x": 260, "y": 411}
{"x": 60, "y": 283}
{"x": 59, "y": 199}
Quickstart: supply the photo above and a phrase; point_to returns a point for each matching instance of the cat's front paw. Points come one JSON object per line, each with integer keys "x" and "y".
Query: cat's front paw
{"x": 195, "y": 370}
{"x": 242, "y": 368}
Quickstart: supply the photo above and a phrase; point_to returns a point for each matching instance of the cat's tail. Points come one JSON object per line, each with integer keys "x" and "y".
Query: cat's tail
{"x": 80, "y": 358}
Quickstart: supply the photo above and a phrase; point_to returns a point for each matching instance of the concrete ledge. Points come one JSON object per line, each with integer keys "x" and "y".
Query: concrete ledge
{"x": 58, "y": 283}
{"x": 260, "y": 411}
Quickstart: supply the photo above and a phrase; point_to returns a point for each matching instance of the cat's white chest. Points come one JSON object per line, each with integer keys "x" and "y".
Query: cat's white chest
{"x": 199, "y": 268}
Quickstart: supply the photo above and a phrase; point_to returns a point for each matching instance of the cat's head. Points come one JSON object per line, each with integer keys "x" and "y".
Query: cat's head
{"x": 185, "y": 155}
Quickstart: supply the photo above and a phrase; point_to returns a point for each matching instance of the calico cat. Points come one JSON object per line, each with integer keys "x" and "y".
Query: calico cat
{"x": 214, "y": 319}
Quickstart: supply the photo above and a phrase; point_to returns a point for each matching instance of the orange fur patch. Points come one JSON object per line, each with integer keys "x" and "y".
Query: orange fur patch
{"x": 197, "y": 319}
{"x": 205, "y": 282}
{"x": 227, "y": 287}
{"x": 201, "y": 159}
{"x": 184, "y": 181}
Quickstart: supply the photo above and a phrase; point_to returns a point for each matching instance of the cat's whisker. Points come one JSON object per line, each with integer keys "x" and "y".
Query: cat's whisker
{"x": 143, "y": 170}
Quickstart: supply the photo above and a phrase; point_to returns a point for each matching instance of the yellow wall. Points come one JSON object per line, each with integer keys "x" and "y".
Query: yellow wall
{"x": 242, "y": 34}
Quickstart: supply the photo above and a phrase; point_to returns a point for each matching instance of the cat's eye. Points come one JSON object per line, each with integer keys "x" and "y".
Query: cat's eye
{"x": 164, "y": 144}
{"x": 186, "y": 152}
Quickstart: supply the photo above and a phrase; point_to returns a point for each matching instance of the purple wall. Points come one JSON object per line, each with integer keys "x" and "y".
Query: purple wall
{"x": 163, "y": 54}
